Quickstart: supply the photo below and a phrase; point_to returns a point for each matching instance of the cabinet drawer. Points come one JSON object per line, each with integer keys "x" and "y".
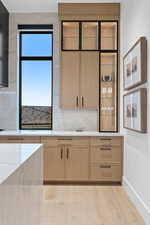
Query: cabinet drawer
{"x": 106, "y": 140}
{"x": 106, "y": 153}
{"x": 20, "y": 139}
{"x": 106, "y": 172}
{"x": 75, "y": 141}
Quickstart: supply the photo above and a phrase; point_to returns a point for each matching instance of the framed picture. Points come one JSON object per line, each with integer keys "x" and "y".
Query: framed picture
{"x": 135, "y": 64}
{"x": 135, "y": 110}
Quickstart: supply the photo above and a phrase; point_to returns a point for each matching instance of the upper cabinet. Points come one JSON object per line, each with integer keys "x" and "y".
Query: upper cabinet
{"x": 70, "y": 32}
{"x": 109, "y": 37}
{"x": 79, "y": 80}
{"x": 90, "y": 60}
{"x": 89, "y": 35}
{"x": 4, "y": 27}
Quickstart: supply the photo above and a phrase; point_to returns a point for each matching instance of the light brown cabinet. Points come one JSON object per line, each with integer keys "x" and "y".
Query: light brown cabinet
{"x": 106, "y": 159}
{"x": 87, "y": 159}
{"x": 89, "y": 35}
{"x": 89, "y": 80}
{"x": 70, "y": 35}
{"x": 108, "y": 97}
{"x": 66, "y": 159}
{"x": 54, "y": 168}
{"x": 80, "y": 80}
{"x": 77, "y": 163}
{"x": 90, "y": 69}
{"x": 70, "y": 62}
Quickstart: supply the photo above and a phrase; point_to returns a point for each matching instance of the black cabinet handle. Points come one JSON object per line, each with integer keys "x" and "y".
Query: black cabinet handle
{"x": 82, "y": 101}
{"x": 67, "y": 153}
{"x": 105, "y": 139}
{"x": 106, "y": 149}
{"x": 77, "y": 101}
{"x": 105, "y": 166}
{"x": 61, "y": 153}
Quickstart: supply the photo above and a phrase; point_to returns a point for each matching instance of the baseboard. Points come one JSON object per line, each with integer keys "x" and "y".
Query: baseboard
{"x": 137, "y": 201}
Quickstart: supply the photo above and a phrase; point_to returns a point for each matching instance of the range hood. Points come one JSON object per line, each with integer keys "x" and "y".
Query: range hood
{"x": 4, "y": 33}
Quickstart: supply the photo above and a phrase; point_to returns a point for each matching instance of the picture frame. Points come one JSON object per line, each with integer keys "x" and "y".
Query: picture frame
{"x": 135, "y": 65}
{"x": 135, "y": 110}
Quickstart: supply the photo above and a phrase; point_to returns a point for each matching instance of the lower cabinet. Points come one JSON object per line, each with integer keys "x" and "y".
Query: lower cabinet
{"x": 106, "y": 172}
{"x": 77, "y": 163}
{"x": 106, "y": 159}
{"x": 54, "y": 168}
{"x": 92, "y": 159}
{"x": 68, "y": 162}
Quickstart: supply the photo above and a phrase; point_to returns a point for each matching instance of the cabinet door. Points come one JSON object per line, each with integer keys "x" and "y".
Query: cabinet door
{"x": 53, "y": 163}
{"x": 70, "y": 31}
{"x": 76, "y": 163}
{"x": 70, "y": 80}
{"x": 89, "y": 80}
{"x": 109, "y": 36}
{"x": 108, "y": 96}
{"x": 90, "y": 35}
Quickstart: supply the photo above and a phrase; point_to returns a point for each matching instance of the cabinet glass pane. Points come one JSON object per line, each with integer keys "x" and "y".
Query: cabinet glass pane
{"x": 70, "y": 35}
{"x": 108, "y": 106}
{"x": 109, "y": 36}
{"x": 90, "y": 35}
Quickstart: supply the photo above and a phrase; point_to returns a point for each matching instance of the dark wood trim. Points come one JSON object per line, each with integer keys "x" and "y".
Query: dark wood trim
{"x": 108, "y": 183}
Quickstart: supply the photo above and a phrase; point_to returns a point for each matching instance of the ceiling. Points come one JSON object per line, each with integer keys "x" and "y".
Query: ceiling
{"x": 42, "y": 5}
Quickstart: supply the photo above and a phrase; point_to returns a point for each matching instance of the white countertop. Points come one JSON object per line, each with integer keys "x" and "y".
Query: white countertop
{"x": 55, "y": 133}
{"x": 12, "y": 156}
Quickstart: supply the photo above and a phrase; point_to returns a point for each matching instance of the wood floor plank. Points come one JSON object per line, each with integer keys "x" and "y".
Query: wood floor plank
{"x": 88, "y": 205}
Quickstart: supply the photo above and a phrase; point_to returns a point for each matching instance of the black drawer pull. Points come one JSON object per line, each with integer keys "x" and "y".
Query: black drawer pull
{"x": 105, "y": 166}
{"x": 105, "y": 149}
{"x": 106, "y": 139}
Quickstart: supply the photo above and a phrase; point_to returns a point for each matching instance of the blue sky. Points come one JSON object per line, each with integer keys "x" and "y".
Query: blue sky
{"x": 36, "y": 75}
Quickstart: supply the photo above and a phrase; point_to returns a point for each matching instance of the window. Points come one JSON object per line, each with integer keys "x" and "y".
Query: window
{"x": 36, "y": 63}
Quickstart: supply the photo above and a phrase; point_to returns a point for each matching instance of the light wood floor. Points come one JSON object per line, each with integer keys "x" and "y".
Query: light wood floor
{"x": 88, "y": 205}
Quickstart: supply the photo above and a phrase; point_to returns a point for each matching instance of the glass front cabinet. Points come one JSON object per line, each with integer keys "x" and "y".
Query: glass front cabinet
{"x": 100, "y": 37}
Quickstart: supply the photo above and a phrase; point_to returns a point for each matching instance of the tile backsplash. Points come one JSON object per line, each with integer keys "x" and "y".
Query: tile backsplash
{"x": 8, "y": 110}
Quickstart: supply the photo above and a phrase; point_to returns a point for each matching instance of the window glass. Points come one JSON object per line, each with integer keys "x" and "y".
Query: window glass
{"x": 36, "y": 44}
{"x": 36, "y": 81}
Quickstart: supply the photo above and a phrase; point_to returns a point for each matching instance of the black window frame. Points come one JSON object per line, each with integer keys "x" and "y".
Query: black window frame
{"x": 33, "y": 58}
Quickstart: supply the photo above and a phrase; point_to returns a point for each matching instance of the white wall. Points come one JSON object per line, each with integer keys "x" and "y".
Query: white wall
{"x": 136, "y": 23}
{"x": 62, "y": 120}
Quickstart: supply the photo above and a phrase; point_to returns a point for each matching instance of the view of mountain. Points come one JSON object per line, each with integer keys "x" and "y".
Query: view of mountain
{"x": 36, "y": 117}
